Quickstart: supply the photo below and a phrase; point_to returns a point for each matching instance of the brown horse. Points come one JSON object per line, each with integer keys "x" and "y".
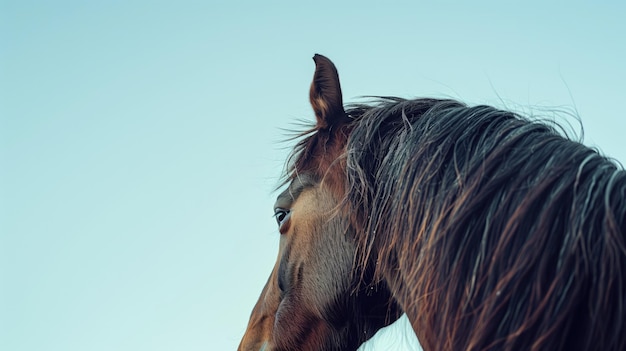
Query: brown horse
{"x": 489, "y": 230}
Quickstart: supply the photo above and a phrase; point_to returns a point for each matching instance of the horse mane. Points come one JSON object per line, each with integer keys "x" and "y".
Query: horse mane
{"x": 494, "y": 231}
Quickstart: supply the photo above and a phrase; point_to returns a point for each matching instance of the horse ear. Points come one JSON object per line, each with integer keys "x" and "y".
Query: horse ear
{"x": 325, "y": 94}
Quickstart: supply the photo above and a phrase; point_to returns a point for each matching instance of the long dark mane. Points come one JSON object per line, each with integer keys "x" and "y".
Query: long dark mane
{"x": 495, "y": 231}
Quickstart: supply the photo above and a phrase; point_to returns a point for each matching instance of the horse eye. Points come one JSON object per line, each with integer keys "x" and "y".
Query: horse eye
{"x": 281, "y": 215}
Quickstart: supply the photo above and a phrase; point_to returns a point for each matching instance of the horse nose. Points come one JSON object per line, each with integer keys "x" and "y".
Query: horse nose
{"x": 263, "y": 347}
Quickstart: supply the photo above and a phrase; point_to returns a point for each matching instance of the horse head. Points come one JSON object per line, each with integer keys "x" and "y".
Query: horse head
{"x": 316, "y": 297}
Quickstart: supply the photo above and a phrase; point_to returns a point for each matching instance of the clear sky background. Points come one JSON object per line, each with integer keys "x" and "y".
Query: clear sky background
{"x": 141, "y": 141}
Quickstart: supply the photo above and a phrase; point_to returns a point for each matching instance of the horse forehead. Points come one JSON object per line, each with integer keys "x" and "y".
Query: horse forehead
{"x": 296, "y": 186}
{"x": 313, "y": 202}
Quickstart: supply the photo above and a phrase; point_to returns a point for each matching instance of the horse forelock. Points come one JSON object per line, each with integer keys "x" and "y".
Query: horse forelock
{"x": 494, "y": 231}
{"x": 320, "y": 154}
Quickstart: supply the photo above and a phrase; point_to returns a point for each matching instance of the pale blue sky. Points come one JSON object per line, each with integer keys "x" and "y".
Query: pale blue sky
{"x": 141, "y": 141}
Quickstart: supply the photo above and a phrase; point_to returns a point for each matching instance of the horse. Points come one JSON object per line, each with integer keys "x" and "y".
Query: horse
{"x": 490, "y": 230}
